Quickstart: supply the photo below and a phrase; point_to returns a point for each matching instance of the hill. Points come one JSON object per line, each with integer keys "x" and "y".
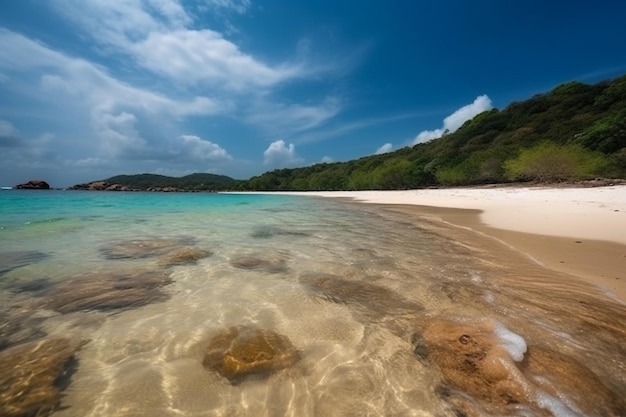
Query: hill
{"x": 574, "y": 132}
{"x": 192, "y": 182}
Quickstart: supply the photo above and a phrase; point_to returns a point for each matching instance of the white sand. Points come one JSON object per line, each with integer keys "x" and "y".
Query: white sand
{"x": 584, "y": 213}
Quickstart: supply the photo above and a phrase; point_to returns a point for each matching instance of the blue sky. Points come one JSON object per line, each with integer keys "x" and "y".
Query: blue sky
{"x": 94, "y": 88}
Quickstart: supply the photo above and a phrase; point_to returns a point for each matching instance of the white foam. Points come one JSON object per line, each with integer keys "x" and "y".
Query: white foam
{"x": 556, "y": 406}
{"x": 514, "y": 344}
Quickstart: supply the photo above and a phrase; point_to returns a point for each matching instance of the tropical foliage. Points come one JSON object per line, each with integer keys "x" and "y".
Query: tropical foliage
{"x": 576, "y": 131}
{"x": 193, "y": 182}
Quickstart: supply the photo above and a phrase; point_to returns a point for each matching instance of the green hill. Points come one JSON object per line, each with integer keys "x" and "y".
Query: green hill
{"x": 192, "y": 182}
{"x": 574, "y": 132}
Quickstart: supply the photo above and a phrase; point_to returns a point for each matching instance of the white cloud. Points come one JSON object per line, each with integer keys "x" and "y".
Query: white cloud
{"x": 327, "y": 160}
{"x": 114, "y": 108}
{"x": 280, "y": 119}
{"x": 456, "y": 119}
{"x": 162, "y": 37}
{"x": 387, "y": 147}
{"x": 196, "y": 148}
{"x": 278, "y": 154}
{"x": 119, "y": 135}
{"x": 90, "y": 162}
{"x": 205, "y": 57}
{"x": 82, "y": 79}
{"x": 239, "y": 6}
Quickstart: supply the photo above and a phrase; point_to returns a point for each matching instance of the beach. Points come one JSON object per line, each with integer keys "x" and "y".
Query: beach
{"x": 146, "y": 298}
{"x": 578, "y": 231}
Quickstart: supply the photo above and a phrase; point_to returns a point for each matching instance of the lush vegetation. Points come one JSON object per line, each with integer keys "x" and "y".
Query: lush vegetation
{"x": 193, "y": 182}
{"x": 576, "y": 131}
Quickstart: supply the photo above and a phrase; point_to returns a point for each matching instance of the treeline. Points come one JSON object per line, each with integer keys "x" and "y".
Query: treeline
{"x": 193, "y": 182}
{"x": 576, "y": 131}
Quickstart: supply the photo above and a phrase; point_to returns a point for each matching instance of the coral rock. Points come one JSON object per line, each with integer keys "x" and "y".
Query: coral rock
{"x": 239, "y": 352}
{"x": 32, "y": 376}
{"x": 106, "y": 291}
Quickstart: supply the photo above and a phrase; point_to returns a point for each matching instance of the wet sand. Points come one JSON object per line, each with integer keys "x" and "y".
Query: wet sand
{"x": 599, "y": 262}
{"x": 578, "y": 231}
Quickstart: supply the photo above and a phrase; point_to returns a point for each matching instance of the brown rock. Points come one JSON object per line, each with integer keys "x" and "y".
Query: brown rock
{"x": 184, "y": 256}
{"x": 272, "y": 263}
{"x": 240, "y": 352}
{"x": 16, "y": 259}
{"x": 117, "y": 187}
{"x": 98, "y": 185}
{"x": 17, "y": 325}
{"x": 141, "y": 248}
{"x": 371, "y": 297}
{"x": 32, "y": 376}
{"x": 472, "y": 358}
{"x": 106, "y": 291}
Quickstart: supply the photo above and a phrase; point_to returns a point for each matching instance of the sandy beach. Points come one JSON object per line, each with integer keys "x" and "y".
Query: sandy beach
{"x": 579, "y": 231}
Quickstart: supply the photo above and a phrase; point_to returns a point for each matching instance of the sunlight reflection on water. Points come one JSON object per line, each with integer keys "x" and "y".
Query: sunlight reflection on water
{"x": 358, "y": 292}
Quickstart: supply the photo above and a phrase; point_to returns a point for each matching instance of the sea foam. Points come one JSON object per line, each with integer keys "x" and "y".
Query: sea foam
{"x": 514, "y": 344}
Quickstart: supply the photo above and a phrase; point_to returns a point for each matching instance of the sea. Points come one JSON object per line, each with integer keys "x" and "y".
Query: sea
{"x": 211, "y": 304}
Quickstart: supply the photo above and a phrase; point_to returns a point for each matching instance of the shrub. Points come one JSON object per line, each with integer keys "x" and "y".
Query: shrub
{"x": 549, "y": 162}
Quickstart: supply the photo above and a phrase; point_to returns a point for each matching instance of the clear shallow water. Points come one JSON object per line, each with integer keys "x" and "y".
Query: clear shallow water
{"x": 380, "y": 307}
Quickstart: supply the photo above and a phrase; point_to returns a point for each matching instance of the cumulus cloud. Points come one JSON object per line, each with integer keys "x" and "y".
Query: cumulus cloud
{"x": 456, "y": 119}
{"x": 327, "y": 160}
{"x": 279, "y": 154}
{"x": 387, "y": 147}
{"x": 115, "y": 109}
{"x": 196, "y": 148}
{"x": 167, "y": 43}
{"x": 154, "y": 65}
{"x": 120, "y": 136}
{"x": 205, "y": 57}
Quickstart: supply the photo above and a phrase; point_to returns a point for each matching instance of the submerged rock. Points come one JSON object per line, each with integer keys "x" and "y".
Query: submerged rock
{"x": 106, "y": 291}
{"x": 371, "y": 297}
{"x": 266, "y": 232}
{"x": 239, "y": 352}
{"x": 16, "y": 259}
{"x": 142, "y": 248}
{"x": 272, "y": 263}
{"x": 494, "y": 366}
{"x": 184, "y": 256}
{"x": 33, "y": 375}
{"x": 17, "y": 325}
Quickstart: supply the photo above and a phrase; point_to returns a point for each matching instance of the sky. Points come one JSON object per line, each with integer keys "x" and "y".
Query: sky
{"x": 95, "y": 88}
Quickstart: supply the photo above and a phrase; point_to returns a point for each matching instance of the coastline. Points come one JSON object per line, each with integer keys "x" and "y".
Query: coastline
{"x": 577, "y": 231}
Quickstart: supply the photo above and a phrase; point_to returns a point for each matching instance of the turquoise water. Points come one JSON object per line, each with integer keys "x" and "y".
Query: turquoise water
{"x": 349, "y": 285}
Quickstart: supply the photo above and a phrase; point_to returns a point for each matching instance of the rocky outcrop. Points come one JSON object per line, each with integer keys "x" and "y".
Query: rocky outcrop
{"x": 100, "y": 186}
{"x": 33, "y": 185}
{"x": 107, "y": 186}
{"x": 487, "y": 369}
{"x": 244, "y": 351}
